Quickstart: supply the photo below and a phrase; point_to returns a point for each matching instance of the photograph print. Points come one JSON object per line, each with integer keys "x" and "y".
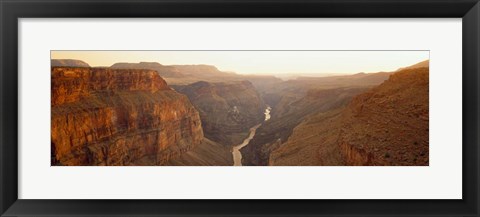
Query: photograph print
{"x": 239, "y": 108}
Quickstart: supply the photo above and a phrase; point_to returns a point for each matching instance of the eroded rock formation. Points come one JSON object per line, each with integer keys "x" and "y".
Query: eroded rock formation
{"x": 290, "y": 111}
{"x": 104, "y": 116}
{"x": 227, "y": 109}
{"x": 388, "y": 125}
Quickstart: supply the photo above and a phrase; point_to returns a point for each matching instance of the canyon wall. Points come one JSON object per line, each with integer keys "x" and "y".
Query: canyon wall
{"x": 227, "y": 109}
{"x": 104, "y": 116}
{"x": 391, "y": 122}
{"x": 290, "y": 111}
{"x": 387, "y": 125}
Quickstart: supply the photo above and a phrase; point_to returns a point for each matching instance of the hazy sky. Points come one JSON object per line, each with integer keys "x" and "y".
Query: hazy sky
{"x": 260, "y": 62}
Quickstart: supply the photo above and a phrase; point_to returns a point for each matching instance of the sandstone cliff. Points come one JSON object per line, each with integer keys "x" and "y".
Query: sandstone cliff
{"x": 227, "y": 109}
{"x": 387, "y": 125}
{"x": 103, "y": 116}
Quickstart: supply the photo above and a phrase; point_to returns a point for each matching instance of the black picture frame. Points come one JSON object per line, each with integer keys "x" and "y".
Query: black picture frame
{"x": 12, "y": 10}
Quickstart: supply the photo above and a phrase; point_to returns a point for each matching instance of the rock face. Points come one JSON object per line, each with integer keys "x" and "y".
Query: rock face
{"x": 164, "y": 71}
{"x": 227, "y": 109}
{"x": 388, "y": 125}
{"x": 290, "y": 111}
{"x": 103, "y": 116}
{"x": 68, "y": 63}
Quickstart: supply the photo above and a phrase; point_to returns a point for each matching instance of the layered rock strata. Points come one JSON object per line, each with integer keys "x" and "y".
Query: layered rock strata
{"x": 104, "y": 116}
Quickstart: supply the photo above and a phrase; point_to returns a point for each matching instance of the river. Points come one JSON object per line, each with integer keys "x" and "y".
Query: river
{"x": 237, "y": 155}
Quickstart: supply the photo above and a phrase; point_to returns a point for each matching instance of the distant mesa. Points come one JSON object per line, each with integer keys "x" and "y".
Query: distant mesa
{"x": 164, "y": 71}
{"x": 136, "y": 65}
{"x": 189, "y": 74}
{"x": 68, "y": 63}
{"x": 194, "y": 72}
{"x": 205, "y": 70}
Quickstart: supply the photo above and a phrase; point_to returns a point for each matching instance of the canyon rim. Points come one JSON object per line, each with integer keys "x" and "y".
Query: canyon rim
{"x": 239, "y": 108}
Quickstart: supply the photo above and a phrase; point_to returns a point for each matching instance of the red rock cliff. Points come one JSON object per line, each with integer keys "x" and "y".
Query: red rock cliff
{"x": 387, "y": 125}
{"x": 118, "y": 117}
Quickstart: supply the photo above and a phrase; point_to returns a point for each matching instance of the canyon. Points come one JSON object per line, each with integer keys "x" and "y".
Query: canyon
{"x": 237, "y": 155}
{"x": 227, "y": 109}
{"x": 290, "y": 111}
{"x": 148, "y": 113}
{"x": 103, "y": 116}
{"x": 386, "y": 125}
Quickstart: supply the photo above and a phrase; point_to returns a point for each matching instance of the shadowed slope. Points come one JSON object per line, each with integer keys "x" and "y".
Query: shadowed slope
{"x": 387, "y": 125}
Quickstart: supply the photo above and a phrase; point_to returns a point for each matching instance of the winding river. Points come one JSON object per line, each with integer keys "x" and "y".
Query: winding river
{"x": 237, "y": 155}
